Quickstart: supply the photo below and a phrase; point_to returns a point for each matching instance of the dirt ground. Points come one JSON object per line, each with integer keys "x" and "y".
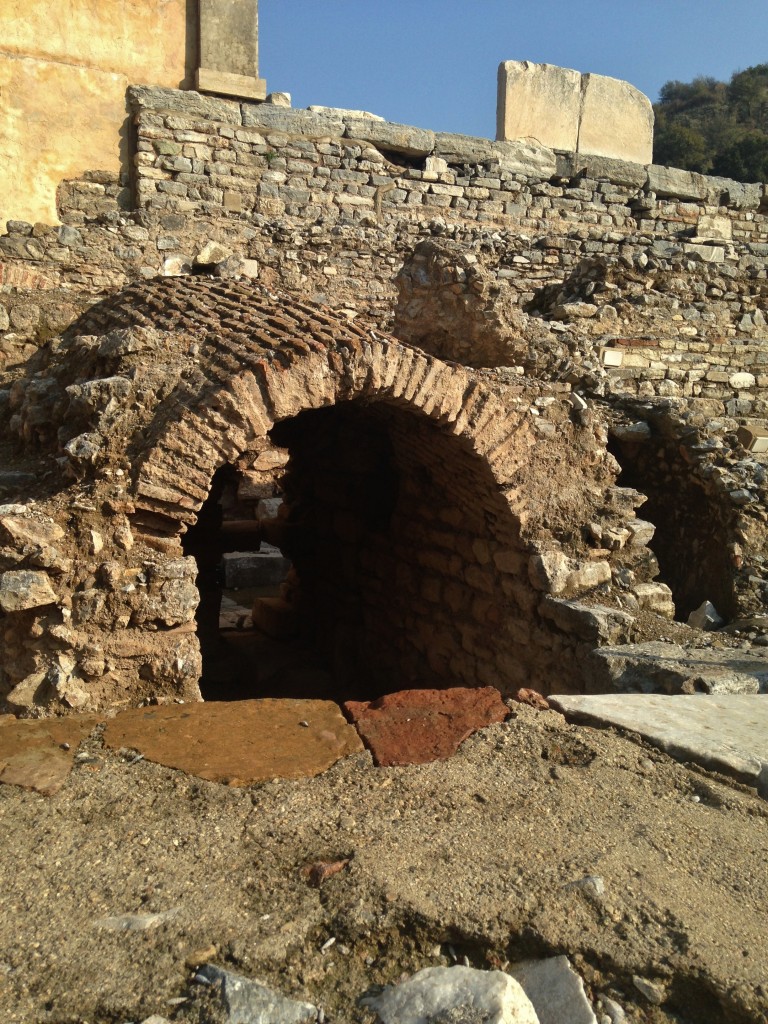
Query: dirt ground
{"x": 486, "y": 858}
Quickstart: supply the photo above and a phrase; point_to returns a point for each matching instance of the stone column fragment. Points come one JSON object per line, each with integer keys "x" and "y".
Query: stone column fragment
{"x": 229, "y": 49}
{"x": 538, "y": 101}
{"x": 575, "y": 113}
{"x": 616, "y": 120}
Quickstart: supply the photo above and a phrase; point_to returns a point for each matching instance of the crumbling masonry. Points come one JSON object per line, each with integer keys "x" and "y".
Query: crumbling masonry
{"x": 518, "y": 397}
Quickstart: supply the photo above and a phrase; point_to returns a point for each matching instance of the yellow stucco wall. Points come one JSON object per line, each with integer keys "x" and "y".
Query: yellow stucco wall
{"x": 64, "y": 69}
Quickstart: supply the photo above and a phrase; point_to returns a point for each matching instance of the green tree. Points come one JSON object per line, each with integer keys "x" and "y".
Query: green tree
{"x": 745, "y": 159}
{"x": 677, "y": 145}
{"x": 748, "y": 96}
{"x": 714, "y": 127}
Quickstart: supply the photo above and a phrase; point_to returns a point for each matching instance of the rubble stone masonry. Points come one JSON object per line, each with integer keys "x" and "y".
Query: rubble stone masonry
{"x": 483, "y": 357}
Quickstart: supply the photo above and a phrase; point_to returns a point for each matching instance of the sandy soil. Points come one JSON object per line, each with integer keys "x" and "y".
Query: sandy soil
{"x": 481, "y": 857}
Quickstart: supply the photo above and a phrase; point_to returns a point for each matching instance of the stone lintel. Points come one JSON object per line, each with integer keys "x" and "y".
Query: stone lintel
{"x": 225, "y": 83}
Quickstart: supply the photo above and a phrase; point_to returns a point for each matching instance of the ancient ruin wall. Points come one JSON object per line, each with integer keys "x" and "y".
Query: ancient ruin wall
{"x": 641, "y": 289}
{"x": 64, "y": 71}
{"x": 666, "y": 265}
{"x": 468, "y": 568}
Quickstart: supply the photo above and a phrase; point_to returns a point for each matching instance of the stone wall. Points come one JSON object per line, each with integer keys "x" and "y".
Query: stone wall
{"x": 667, "y": 265}
{"x": 64, "y": 74}
{"x": 537, "y": 343}
{"x": 433, "y": 518}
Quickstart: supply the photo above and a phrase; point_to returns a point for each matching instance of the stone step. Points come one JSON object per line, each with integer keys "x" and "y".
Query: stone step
{"x": 722, "y": 732}
{"x": 263, "y": 568}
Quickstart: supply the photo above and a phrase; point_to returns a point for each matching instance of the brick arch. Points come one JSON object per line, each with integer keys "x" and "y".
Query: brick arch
{"x": 314, "y": 359}
{"x": 444, "y": 587}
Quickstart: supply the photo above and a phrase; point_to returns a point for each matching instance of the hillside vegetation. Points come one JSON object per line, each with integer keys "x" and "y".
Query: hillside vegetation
{"x": 715, "y": 127}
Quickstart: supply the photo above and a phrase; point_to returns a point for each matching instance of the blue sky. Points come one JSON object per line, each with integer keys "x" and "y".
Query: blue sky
{"x": 432, "y": 63}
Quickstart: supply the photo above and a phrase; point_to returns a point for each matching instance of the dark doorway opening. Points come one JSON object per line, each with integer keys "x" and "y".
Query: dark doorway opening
{"x": 244, "y": 621}
{"x": 390, "y": 525}
{"x": 689, "y": 542}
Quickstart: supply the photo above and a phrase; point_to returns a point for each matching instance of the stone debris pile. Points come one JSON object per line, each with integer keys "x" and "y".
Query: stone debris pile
{"x": 534, "y": 992}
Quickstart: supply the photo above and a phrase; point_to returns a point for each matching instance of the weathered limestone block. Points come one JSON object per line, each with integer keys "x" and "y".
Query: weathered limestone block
{"x": 641, "y": 531}
{"x": 207, "y": 108}
{"x": 400, "y": 138}
{"x": 554, "y": 572}
{"x": 673, "y": 183}
{"x": 741, "y": 381}
{"x": 106, "y": 397}
{"x": 565, "y": 110}
{"x": 588, "y": 622}
{"x": 705, "y": 253}
{"x": 279, "y": 99}
{"x": 293, "y": 122}
{"x": 129, "y": 341}
{"x": 463, "y": 149}
{"x": 229, "y": 49}
{"x": 529, "y": 159}
{"x": 657, "y": 667}
{"x": 602, "y": 168}
{"x": 555, "y": 989}
{"x": 22, "y": 528}
{"x": 344, "y": 112}
{"x": 455, "y": 993}
{"x": 635, "y": 433}
{"x": 171, "y": 596}
{"x": 705, "y": 617}
{"x": 655, "y": 597}
{"x": 736, "y": 195}
{"x": 538, "y": 101}
{"x": 714, "y": 229}
{"x": 616, "y": 120}
{"x": 21, "y": 589}
{"x": 246, "y": 999}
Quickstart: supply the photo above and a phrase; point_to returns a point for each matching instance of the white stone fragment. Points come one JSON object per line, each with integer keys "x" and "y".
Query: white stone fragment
{"x": 555, "y": 989}
{"x": 175, "y": 266}
{"x": 22, "y": 589}
{"x": 714, "y": 229}
{"x": 727, "y": 733}
{"x": 706, "y": 616}
{"x": 655, "y": 597}
{"x": 635, "y": 432}
{"x": 135, "y": 922}
{"x": 642, "y": 532}
{"x": 435, "y": 163}
{"x": 248, "y": 1001}
{"x": 344, "y": 112}
{"x": 741, "y": 381}
{"x": 492, "y": 995}
{"x": 652, "y": 990}
{"x": 212, "y": 252}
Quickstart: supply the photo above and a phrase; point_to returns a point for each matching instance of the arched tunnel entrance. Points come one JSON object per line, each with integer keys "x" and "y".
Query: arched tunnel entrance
{"x": 390, "y": 527}
{"x": 688, "y": 542}
{"x": 428, "y": 510}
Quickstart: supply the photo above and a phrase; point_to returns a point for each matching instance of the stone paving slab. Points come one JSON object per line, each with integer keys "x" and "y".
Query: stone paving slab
{"x": 724, "y": 732}
{"x": 38, "y": 754}
{"x": 238, "y": 742}
{"x": 660, "y": 667}
{"x": 417, "y": 726}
